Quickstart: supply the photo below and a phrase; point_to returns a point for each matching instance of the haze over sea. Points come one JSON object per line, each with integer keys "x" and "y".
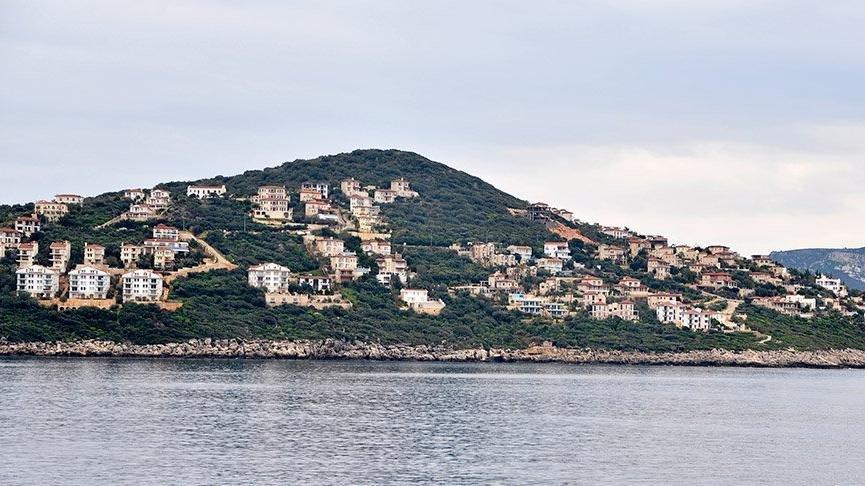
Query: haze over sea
{"x": 125, "y": 421}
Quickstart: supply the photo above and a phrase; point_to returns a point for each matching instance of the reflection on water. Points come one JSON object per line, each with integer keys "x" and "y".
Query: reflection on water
{"x": 115, "y": 421}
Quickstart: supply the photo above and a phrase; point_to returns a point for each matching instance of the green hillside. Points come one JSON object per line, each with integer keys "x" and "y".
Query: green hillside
{"x": 453, "y": 206}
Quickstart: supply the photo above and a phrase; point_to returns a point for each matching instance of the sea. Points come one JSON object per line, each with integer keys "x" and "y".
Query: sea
{"x": 88, "y": 421}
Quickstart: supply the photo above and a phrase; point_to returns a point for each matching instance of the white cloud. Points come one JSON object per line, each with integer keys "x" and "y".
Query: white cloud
{"x": 755, "y": 197}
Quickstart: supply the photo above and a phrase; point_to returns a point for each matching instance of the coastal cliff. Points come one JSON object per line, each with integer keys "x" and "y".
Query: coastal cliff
{"x": 336, "y": 349}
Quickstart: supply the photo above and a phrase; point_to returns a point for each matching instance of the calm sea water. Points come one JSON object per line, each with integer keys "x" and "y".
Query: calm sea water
{"x": 119, "y": 421}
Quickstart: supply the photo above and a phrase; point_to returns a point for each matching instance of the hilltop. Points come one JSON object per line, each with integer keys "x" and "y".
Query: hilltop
{"x": 847, "y": 264}
{"x": 386, "y": 246}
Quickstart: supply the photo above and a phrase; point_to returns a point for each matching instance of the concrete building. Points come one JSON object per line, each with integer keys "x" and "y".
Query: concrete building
{"x": 557, "y": 249}
{"x": 321, "y": 187}
{"x": 318, "y": 283}
{"x": 27, "y": 225}
{"x": 384, "y": 196}
{"x": 269, "y": 276}
{"x": 60, "y": 253}
{"x": 140, "y": 212}
{"x": 659, "y": 268}
{"x": 165, "y": 232}
{"x": 350, "y": 186}
{"x": 612, "y": 253}
{"x": 623, "y": 310}
{"x": 130, "y": 254}
{"x": 10, "y": 236}
{"x": 37, "y": 281}
{"x": 329, "y": 246}
{"x": 94, "y": 254}
{"x": 390, "y": 267}
{"x": 402, "y": 188}
{"x": 376, "y": 247}
{"x": 86, "y": 282}
{"x": 134, "y": 194}
{"x": 51, "y": 211}
{"x": 833, "y": 285}
{"x": 551, "y": 265}
{"x": 27, "y": 253}
{"x": 69, "y": 199}
{"x": 343, "y": 261}
{"x": 316, "y": 206}
{"x": 523, "y": 252}
{"x": 204, "y": 191}
{"x": 142, "y": 286}
{"x": 418, "y": 300}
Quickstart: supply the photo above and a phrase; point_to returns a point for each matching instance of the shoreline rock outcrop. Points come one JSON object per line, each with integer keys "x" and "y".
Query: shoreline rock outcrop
{"x": 337, "y": 349}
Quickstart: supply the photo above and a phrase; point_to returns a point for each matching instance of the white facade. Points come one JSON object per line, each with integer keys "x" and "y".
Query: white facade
{"x": 557, "y": 249}
{"x": 204, "y": 191}
{"x": 27, "y": 225}
{"x": 269, "y": 276}
{"x": 165, "y": 232}
{"x": 321, "y": 187}
{"x": 142, "y": 286}
{"x": 86, "y": 282}
{"x": 38, "y": 281}
{"x": 833, "y": 285}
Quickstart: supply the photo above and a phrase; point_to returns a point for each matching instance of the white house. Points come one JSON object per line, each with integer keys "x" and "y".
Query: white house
{"x": 27, "y": 225}
{"x": 321, "y": 187}
{"x": 38, "y": 281}
{"x": 269, "y": 276}
{"x": 86, "y": 282}
{"x": 834, "y": 285}
{"x": 203, "y": 191}
{"x": 418, "y": 300}
{"x": 557, "y": 249}
{"x": 134, "y": 194}
{"x": 165, "y": 232}
{"x": 142, "y": 286}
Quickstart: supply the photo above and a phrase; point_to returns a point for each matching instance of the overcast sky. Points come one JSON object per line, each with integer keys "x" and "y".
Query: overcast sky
{"x": 732, "y": 121}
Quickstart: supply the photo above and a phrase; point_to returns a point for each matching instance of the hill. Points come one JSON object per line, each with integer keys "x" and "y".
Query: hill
{"x": 848, "y": 264}
{"x": 209, "y": 283}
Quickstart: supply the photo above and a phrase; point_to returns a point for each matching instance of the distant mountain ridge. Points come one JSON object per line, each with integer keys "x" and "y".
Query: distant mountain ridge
{"x": 848, "y": 264}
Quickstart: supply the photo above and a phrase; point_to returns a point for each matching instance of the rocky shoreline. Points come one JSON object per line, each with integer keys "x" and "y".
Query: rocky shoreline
{"x": 336, "y": 349}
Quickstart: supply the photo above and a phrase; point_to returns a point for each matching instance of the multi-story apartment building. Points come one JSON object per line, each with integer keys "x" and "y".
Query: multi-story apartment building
{"x": 10, "y": 236}
{"x": 350, "y": 187}
{"x": 94, "y": 254}
{"x": 38, "y": 281}
{"x": 86, "y": 282}
{"x": 270, "y": 277}
{"x": 165, "y": 232}
{"x": 392, "y": 266}
{"x": 329, "y": 246}
{"x": 321, "y": 187}
{"x": 27, "y": 253}
{"x": 384, "y": 196}
{"x": 27, "y": 225}
{"x": 130, "y": 254}
{"x": 142, "y": 286}
{"x": 51, "y": 211}
{"x": 60, "y": 253}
